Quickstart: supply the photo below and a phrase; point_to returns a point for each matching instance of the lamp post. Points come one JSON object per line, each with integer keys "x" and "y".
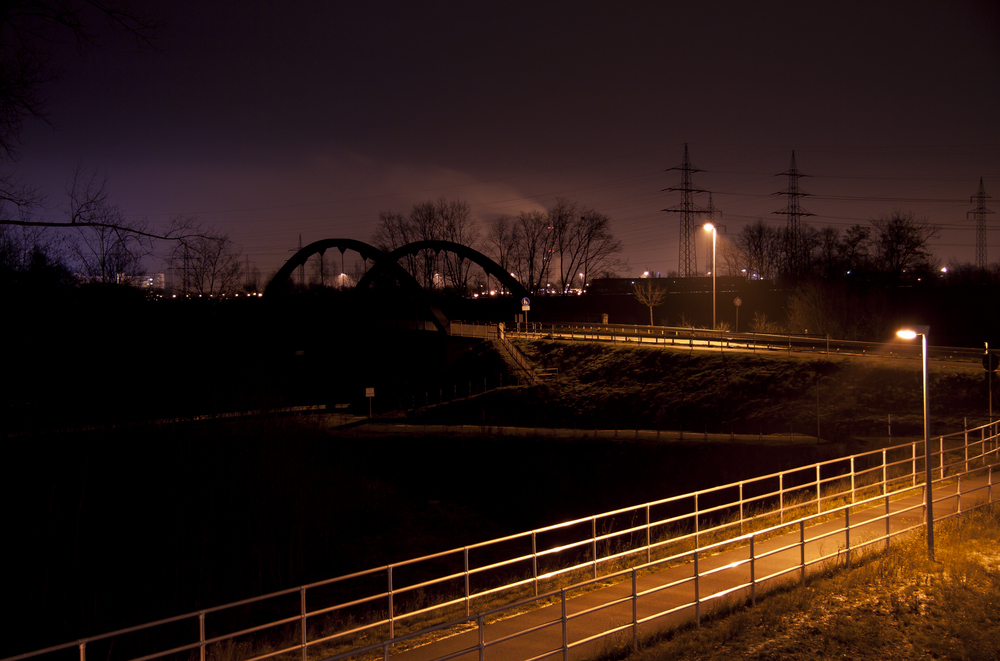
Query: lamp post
{"x": 714, "y": 229}
{"x": 909, "y": 334}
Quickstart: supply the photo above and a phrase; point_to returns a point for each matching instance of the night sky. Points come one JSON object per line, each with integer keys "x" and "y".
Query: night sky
{"x": 273, "y": 120}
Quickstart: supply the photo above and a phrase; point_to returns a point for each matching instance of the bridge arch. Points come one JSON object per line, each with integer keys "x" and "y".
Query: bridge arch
{"x": 367, "y": 251}
{"x": 488, "y": 265}
{"x": 382, "y": 264}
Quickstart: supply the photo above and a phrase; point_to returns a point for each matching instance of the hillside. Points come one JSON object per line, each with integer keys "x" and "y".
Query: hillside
{"x": 629, "y": 387}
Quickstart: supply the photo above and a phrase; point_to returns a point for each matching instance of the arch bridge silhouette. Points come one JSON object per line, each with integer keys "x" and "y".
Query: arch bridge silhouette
{"x": 385, "y": 265}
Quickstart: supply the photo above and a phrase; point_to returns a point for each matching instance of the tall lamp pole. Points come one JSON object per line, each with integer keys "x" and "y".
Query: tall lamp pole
{"x": 909, "y": 334}
{"x": 714, "y": 229}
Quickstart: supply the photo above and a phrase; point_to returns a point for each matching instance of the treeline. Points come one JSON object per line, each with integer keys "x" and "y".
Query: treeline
{"x": 556, "y": 250}
{"x": 98, "y": 243}
{"x": 887, "y": 250}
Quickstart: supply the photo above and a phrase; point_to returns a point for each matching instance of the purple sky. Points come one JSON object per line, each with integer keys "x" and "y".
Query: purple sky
{"x": 270, "y": 120}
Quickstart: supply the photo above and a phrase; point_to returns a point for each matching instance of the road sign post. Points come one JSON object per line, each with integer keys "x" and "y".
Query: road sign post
{"x": 369, "y": 393}
{"x": 525, "y": 306}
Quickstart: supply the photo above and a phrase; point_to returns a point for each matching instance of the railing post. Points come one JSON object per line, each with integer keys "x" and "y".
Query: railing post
{"x": 888, "y": 528}
{"x": 201, "y": 636}
{"x": 302, "y": 603}
{"x": 467, "y": 599}
{"x": 593, "y": 541}
{"x": 913, "y": 472}
{"x": 741, "y": 508}
{"x": 635, "y": 610}
{"x": 958, "y": 492}
{"x": 392, "y": 632}
{"x": 853, "y": 486}
{"x": 819, "y": 493}
{"x": 941, "y": 457}
{"x": 697, "y": 528}
{"x": 885, "y": 473}
{"x": 697, "y": 592}
{"x": 781, "y": 497}
{"x": 482, "y": 637}
{"x": 648, "y": 537}
{"x": 802, "y": 550}
{"x": 83, "y": 651}
{"x": 534, "y": 561}
{"x": 565, "y": 628}
{"x": 847, "y": 533}
{"x": 753, "y": 571}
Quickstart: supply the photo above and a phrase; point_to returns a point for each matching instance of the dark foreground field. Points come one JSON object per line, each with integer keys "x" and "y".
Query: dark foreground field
{"x": 115, "y": 526}
{"x": 121, "y": 526}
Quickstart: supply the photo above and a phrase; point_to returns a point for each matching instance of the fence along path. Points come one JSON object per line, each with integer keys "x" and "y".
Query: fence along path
{"x": 574, "y": 589}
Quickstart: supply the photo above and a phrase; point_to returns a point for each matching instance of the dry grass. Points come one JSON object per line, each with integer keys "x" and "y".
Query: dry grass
{"x": 893, "y": 605}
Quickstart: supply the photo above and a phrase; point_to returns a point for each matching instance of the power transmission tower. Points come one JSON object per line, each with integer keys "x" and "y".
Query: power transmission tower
{"x": 687, "y": 265}
{"x": 980, "y": 215}
{"x": 793, "y": 213}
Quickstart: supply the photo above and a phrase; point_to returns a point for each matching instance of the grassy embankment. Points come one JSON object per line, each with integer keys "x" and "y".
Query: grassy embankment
{"x": 631, "y": 387}
{"x": 894, "y": 605}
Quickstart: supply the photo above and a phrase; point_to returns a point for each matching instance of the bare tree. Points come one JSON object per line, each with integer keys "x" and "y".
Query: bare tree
{"x": 502, "y": 242}
{"x": 209, "y": 262}
{"x": 443, "y": 220}
{"x": 458, "y": 227}
{"x": 537, "y": 246}
{"x": 584, "y": 244}
{"x": 29, "y": 29}
{"x": 649, "y": 294}
{"x": 900, "y": 243}
{"x": 320, "y": 270}
{"x": 20, "y": 246}
{"x": 730, "y": 259}
{"x": 855, "y": 249}
{"x": 761, "y": 246}
{"x": 426, "y": 224}
{"x": 109, "y": 247}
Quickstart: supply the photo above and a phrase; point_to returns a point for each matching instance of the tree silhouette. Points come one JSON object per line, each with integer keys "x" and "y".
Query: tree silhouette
{"x": 649, "y": 294}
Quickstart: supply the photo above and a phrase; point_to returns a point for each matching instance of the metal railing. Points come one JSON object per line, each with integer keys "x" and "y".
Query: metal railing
{"x": 764, "y": 342}
{"x": 497, "y": 332}
{"x": 388, "y": 608}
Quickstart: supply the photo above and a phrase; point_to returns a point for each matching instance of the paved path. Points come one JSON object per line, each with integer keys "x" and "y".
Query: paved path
{"x": 729, "y": 571}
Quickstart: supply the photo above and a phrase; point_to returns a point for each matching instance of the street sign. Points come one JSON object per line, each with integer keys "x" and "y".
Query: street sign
{"x": 369, "y": 392}
{"x": 738, "y": 301}
{"x": 991, "y": 362}
{"x": 525, "y": 304}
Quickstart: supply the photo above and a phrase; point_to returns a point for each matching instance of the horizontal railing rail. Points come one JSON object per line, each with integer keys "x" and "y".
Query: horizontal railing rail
{"x": 752, "y": 341}
{"x": 475, "y": 582}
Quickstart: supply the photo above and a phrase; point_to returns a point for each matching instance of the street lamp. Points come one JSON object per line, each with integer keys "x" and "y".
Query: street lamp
{"x": 909, "y": 334}
{"x": 714, "y": 229}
